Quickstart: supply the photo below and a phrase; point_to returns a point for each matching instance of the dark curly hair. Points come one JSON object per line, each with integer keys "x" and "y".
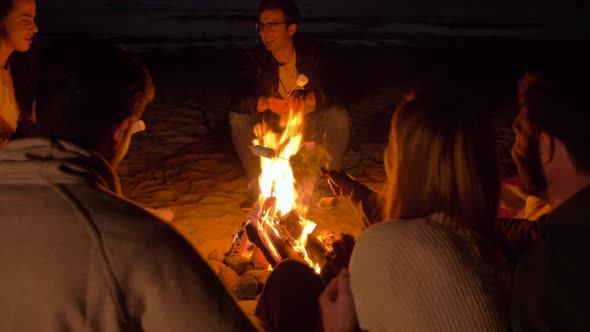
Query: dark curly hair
{"x": 289, "y": 8}
{"x": 85, "y": 87}
{"x": 557, "y": 103}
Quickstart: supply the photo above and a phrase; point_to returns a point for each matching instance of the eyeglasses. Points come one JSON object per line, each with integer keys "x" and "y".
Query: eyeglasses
{"x": 138, "y": 126}
{"x": 271, "y": 26}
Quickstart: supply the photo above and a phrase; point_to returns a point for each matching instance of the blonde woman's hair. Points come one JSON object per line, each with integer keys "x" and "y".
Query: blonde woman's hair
{"x": 441, "y": 158}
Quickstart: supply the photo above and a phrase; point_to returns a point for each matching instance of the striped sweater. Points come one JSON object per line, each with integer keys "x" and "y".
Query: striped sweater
{"x": 425, "y": 275}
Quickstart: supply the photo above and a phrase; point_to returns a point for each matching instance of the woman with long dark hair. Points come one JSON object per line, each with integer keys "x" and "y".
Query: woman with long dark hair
{"x": 17, "y": 83}
{"x": 434, "y": 262}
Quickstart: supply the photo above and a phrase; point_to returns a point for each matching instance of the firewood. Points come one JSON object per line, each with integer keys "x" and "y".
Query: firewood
{"x": 285, "y": 248}
{"x": 258, "y": 261}
{"x": 239, "y": 243}
{"x": 255, "y": 237}
{"x": 292, "y": 224}
{"x": 315, "y": 249}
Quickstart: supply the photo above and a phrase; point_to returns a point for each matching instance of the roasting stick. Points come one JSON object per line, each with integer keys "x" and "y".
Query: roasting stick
{"x": 302, "y": 80}
{"x": 266, "y": 152}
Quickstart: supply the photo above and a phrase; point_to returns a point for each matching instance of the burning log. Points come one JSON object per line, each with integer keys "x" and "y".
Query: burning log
{"x": 239, "y": 243}
{"x": 315, "y": 249}
{"x": 240, "y": 239}
{"x": 258, "y": 261}
{"x": 279, "y": 242}
{"x": 291, "y": 222}
{"x": 254, "y": 236}
{"x": 273, "y": 240}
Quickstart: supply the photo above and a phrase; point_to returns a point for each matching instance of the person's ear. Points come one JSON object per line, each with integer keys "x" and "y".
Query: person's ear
{"x": 291, "y": 29}
{"x": 546, "y": 148}
{"x": 120, "y": 130}
{"x": 114, "y": 138}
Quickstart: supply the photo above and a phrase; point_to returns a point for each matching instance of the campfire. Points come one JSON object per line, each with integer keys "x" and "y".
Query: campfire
{"x": 275, "y": 228}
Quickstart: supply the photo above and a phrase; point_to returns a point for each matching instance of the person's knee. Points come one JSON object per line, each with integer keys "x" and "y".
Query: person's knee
{"x": 289, "y": 268}
{"x": 337, "y": 117}
{"x": 241, "y": 123}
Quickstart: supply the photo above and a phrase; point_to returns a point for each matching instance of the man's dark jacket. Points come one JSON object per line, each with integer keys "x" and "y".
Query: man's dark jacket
{"x": 259, "y": 76}
{"x": 552, "y": 282}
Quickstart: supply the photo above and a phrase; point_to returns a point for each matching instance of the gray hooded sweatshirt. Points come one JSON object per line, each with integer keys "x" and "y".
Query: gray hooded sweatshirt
{"x": 76, "y": 256}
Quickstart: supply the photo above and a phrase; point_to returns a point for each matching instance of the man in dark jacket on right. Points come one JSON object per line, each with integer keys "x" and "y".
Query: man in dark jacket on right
{"x": 551, "y": 288}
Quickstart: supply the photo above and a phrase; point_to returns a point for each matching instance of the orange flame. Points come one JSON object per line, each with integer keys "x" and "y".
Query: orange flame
{"x": 277, "y": 179}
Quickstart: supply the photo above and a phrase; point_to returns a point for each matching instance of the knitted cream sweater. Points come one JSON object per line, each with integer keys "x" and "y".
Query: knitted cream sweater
{"x": 424, "y": 275}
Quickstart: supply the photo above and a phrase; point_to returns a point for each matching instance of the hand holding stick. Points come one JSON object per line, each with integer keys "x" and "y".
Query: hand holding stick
{"x": 302, "y": 80}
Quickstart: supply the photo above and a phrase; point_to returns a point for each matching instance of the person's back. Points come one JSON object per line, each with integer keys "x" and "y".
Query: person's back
{"x": 552, "y": 276}
{"x": 433, "y": 264}
{"x": 77, "y": 255}
{"x": 425, "y": 275}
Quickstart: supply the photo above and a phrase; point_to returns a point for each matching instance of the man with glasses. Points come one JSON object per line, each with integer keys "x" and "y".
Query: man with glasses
{"x": 260, "y": 91}
{"x": 78, "y": 256}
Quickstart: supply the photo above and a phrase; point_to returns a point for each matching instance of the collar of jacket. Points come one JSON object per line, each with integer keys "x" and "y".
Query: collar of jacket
{"x": 37, "y": 160}
{"x": 574, "y": 212}
{"x": 304, "y": 64}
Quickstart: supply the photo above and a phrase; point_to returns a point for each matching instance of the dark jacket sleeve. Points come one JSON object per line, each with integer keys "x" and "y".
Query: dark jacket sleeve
{"x": 245, "y": 88}
{"x": 367, "y": 205}
{"x": 517, "y": 235}
{"x": 551, "y": 290}
{"x": 313, "y": 62}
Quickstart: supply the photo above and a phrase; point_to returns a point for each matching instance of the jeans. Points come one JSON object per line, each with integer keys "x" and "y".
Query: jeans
{"x": 329, "y": 126}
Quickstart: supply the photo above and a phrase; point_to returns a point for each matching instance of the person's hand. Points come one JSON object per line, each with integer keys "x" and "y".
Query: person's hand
{"x": 278, "y": 106}
{"x": 337, "y": 305}
{"x": 338, "y": 258}
{"x": 340, "y": 182}
{"x": 307, "y": 98}
{"x": 310, "y": 100}
{"x": 296, "y": 103}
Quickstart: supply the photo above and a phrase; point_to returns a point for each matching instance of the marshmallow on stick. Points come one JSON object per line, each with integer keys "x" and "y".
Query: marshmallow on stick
{"x": 302, "y": 80}
{"x": 266, "y": 152}
{"x": 263, "y": 151}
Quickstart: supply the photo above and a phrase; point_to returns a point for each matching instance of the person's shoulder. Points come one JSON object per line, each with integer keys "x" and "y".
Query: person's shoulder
{"x": 393, "y": 233}
{"x": 121, "y": 217}
{"x": 418, "y": 234}
{"x": 125, "y": 226}
{"x": 395, "y": 227}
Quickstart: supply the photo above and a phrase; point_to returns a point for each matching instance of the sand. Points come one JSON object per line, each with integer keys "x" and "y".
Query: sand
{"x": 185, "y": 162}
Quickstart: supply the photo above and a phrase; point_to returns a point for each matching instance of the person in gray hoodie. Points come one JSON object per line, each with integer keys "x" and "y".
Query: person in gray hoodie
{"x": 76, "y": 254}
